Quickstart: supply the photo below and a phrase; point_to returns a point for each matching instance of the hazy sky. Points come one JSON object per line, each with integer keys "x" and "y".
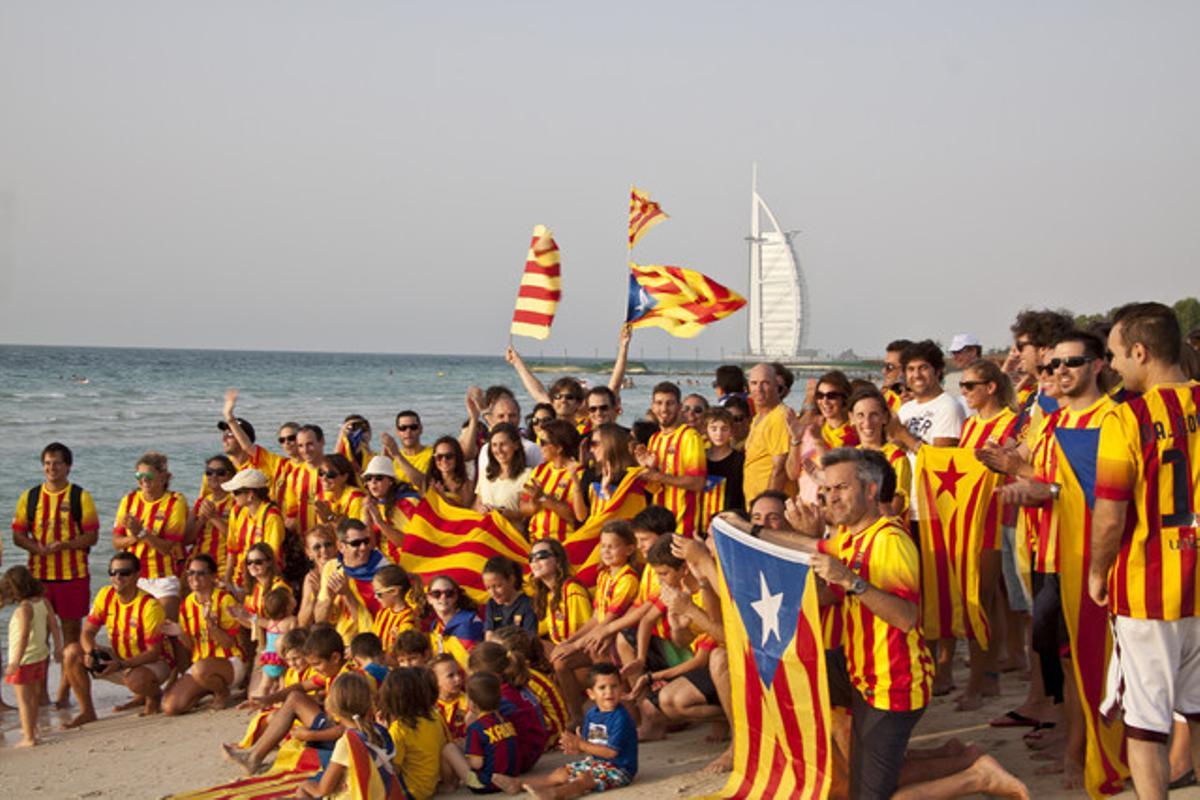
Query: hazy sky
{"x": 365, "y": 175}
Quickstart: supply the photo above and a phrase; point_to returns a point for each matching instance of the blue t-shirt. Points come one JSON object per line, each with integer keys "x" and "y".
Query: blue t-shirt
{"x": 616, "y": 730}
{"x": 494, "y": 738}
{"x": 519, "y": 612}
{"x": 376, "y": 671}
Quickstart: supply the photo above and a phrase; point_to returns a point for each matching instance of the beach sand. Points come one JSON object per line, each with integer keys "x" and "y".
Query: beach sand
{"x": 129, "y": 757}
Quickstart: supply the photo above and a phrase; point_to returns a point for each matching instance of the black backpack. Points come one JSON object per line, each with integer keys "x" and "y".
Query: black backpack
{"x": 75, "y": 499}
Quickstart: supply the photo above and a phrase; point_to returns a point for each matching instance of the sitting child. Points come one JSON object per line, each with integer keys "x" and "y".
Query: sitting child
{"x": 490, "y": 749}
{"x": 451, "y": 701}
{"x": 518, "y": 705}
{"x": 367, "y": 652}
{"x": 507, "y": 604}
{"x": 412, "y": 649}
{"x": 408, "y": 702}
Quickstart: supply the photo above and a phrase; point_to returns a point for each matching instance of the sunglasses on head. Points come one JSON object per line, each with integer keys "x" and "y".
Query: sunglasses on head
{"x": 830, "y": 395}
{"x": 124, "y": 572}
{"x": 214, "y": 472}
{"x": 1070, "y": 362}
{"x": 291, "y": 437}
{"x": 438, "y": 594}
{"x": 327, "y": 473}
{"x": 540, "y": 555}
{"x": 357, "y": 543}
{"x": 412, "y": 426}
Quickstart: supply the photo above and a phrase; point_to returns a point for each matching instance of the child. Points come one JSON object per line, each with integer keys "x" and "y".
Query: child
{"x": 615, "y": 591}
{"x": 451, "y": 702}
{"x": 408, "y": 702}
{"x": 28, "y": 654}
{"x": 278, "y": 616}
{"x": 298, "y": 677}
{"x": 367, "y": 652}
{"x": 360, "y": 765}
{"x": 517, "y": 705}
{"x": 401, "y": 605}
{"x": 649, "y": 524}
{"x": 507, "y": 604}
{"x": 545, "y": 691}
{"x": 490, "y": 749}
{"x": 724, "y": 462}
{"x": 607, "y": 740}
{"x": 412, "y": 649}
{"x": 562, "y": 604}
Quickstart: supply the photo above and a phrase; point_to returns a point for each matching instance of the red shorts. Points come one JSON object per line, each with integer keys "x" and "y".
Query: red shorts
{"x": 69, "y": 599}
{"x": 29, "y": 673}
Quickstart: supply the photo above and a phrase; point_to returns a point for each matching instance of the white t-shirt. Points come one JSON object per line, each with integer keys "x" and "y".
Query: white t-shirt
{"x": 533, "y": 457}
{"x": 503, "y": 493}
{"x": 939, "y": 418}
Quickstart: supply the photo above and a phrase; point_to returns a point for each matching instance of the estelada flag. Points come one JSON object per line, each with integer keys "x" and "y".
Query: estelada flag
{"x": 541, "y": 287}
{"x": 644, "y": 214}
{"x": 680, "y": 301}
{"x": 780, "y": 697}
{"x": 1104, "y": 770}
{"x": 954, "y": 489}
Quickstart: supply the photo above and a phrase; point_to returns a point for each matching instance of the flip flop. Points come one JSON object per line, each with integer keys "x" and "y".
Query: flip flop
{"x": 1186, "y": 779}
{"x": 1033, "y": 737}
{"x": 1014, "y": 719}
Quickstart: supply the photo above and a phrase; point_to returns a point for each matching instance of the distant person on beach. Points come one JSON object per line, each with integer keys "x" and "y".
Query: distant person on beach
{"x": 133, "y": 620}
{"x": 674, "y": 461}
{"x": 152, "y": 525}
{"x": 56, "y": 523}
{"x": 303, "y": 486}
{"x": 729, "y": 382}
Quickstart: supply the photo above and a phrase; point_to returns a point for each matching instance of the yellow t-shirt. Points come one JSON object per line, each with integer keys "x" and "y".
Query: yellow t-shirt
{"x": 419, "y": 753}
{"x": 769, "y": 437}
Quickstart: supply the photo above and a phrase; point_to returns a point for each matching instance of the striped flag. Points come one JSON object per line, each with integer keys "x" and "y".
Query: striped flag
{"x": 781, "y": 745}
{"x": 294, "y": 764}
{"x": 541, "y": 287}
{"x": 680, "y": 301}
{"x": 954, "y": 489}
{"x": 623, "y": 503}
{"x": 1104, "y": 770}
{"x": 644, "y": 214}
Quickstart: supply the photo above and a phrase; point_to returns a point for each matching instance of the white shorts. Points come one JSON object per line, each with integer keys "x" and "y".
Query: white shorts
{"x": 239, "y": 669}
{"x": 1153, "y": 674}
{"x": 159, "y": 588}
{"x": 159, "y": 669}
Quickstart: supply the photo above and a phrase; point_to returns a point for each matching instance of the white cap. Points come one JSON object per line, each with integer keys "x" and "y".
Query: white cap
{"x": 246, "y": 479}
{"x": 380, "y": 465}
{"x": 962, "y": 341}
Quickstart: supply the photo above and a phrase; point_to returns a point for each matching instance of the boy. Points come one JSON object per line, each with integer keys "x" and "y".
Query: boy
{"x": 490, "y": 750}
{"x": 412, "y": 649}
{"x": 608, "y": 741}
{"x": 723, "y": 489}
{"x": 648, "y": 525}
{"x": 451, "y": 702}
{"x": 367, "y": 651}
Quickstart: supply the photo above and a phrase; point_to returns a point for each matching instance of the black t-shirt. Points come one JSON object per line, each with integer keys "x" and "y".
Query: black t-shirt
{"x": 730, "y": 468}
{"x": 519, "y": 612}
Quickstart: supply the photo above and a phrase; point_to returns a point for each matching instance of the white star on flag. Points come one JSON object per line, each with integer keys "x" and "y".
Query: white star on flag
{"x": 767, "y": 607}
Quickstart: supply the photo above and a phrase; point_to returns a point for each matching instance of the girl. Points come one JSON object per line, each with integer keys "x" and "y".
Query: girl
{"x": 507, "y": 604}
{"x": 320, "y": 546}
{"x": 402, "y": 605}
{"x": 262, "y": 576}
{"x": 612, "y": 462}
{"x": 447, "y": 474}
{"x": 408, "y": 703}
{"x": 385, "y": 515}
{"x": 560, "y": 602}
{"x": 456, "y": 627}
{"x": 451, "y": 700}
{"x": 277, "y": 618}
{"x": 517, "y": 705}
{"x": 28, "y": 654}
{"x": 616, "y": 589}
{"x": 360, "y": 767}
{"x": 554, "y": 490}
{"x": 501, "y": 484}
{"x": 208, "y": 522}
{"x": 340, "y": 497}
{"x": 545, "y": 691}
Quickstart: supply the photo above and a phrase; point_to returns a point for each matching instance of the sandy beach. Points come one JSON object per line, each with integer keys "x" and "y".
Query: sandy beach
{"x": 124, "y": 756}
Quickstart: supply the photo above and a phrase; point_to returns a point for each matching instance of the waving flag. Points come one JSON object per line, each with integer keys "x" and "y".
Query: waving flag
{"x": 680, "y": 301}
{"x": 780, "y": 697}
{"x": 624, "y": 502}
{"x": 954, "y": 489}
{"x": 1104, "y": 770}
{"x": 644, "y": 214}
{"x": 541, "y": 287}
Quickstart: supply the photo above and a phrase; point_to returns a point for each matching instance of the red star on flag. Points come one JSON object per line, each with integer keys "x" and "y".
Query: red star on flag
{"x": 948, "y": 479}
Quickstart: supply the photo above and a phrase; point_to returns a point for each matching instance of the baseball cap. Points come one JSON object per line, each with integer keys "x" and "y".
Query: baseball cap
{"x": 245, "y": 426}
{"x": 961, "y": 341}
{"x": 246, "y": 479}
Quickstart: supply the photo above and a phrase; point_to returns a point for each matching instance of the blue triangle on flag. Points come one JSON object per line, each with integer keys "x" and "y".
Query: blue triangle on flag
{"x": 1080, "y": 446}
{"x": 712, "y": 481}
{"x": 640, "y": 301}
{"x": 767, "y": 586}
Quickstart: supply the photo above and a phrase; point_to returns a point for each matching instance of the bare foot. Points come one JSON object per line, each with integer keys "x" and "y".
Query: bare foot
{"x": 243, "y": 758}
{"x": 970, "y": 701}
{"x": 718, "y": 731}
{"x": 150, "y": 707}
{"x": 134, "y": 703}
{"x": 994, "y": 779}
{"x": 80, "y": 720}
{"x": 219, "y": 701}
{"x": 720, "y": 764}
{"x": 27, "y": 743}
{"x": 507, "y": 783}
{"x": 941, "y": 688}
{"x": 649, "y": 733}
{"x": 62, "y": 705}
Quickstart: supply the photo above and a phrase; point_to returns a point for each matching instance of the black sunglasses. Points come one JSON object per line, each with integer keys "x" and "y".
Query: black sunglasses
{"x": 288, "y": 438}
{"x": 1071, "y": 362}
{"x": 124, "y": 573}
{"x": 356, "y": 543}
{"x": 212, "y": 473}
{"x": 410, "y": 427}
{"x": 968, "y": 386}
{"x": 830, "y": 395}
{"x": 328, "y": 474}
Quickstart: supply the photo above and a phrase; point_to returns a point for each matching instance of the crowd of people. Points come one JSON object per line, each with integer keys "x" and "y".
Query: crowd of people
{"x": 281, "y": 582}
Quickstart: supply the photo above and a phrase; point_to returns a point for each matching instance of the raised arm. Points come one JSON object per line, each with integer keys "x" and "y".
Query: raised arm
{"x": 231, "y": 396}
{"x": 617, "y": 379}
{"x": 467, "y": 436}
{"x": 532, "y": 385}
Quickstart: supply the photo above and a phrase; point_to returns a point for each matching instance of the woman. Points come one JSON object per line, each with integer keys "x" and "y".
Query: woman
{"x": 447, "y": 473}
{"x": 554, "y": 489}
{"x": 833, "y": 390}
{"x": 347, "y": 598}
{"x": 562, "y": 604}
{"x": 340, "y": 497}
{"x": 254, "y": 519}
{"x": 869, "y": 414}
{"x": 320, "y": 545}
{"x": 692, "y": 412}
{"x": 208, "y": 523}
{"x": 152, "y": 524}
{"x": 208, "y": 627}
{"x": 354, "y": 441}
{"x": 383, "y": 507}
{"x": 541, "y": 414}
{"x": 500, "y": 486}
{"x": 612, "y": 460}
{"x": 456, "y": 626}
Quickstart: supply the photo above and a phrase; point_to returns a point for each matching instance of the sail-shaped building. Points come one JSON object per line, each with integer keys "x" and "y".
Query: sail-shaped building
{"x": 778, "y": 295}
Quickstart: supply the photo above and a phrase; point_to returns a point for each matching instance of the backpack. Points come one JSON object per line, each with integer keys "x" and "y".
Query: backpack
{"x": 74, "y": 499}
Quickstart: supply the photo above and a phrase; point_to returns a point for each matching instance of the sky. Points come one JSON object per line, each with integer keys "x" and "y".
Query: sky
{"x": 365, "y": 176}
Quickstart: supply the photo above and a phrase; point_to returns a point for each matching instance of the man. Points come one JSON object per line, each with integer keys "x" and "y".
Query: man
{"x": 1034, "y": 333}
{"x": 603, "y": 408}
{"x": 768, "y": 443}
{"x": 729, "y": 382}
{"x": 503, "y": 408}
{"x": 674, "y": 460}
{"x": 408, "y": 432}
{"x": 893, "y": 374}
{"x": 303, "y": 486}
{"x": 1143, "y": 556}
{"x": 932, "y": 416}
{"x": 134, "y": 620}
{"x": 56, "y": 524}
{"x": 347, "y": 597}
{"x": 692, "y": 412}
{"x": 238, "y": 443}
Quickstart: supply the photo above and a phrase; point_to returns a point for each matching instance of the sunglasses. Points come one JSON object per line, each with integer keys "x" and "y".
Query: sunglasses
{"x": 565, "y": 396}
{"x": 438, "y": 594}
{"x": 598, "y": 409}
{"x": 538, "y": 422}
{"x": 968, "y": 386}
{"x": 212, "y": 473}
{"x": 287, "y": 439}
{"x": 540, "y": 555}
{"x": 1021, "y": 344}
{"x": 889, "y": 368}
{"x": 695, "y": 409}
{"x": 124, "y": 573}
{"x": 443, "y": 456}
{"x": 323, "y": 545}
{"x": 145, "y": 476}
{"x": 593, "y": 444}
{"x": 197, "y": 573}
{"x": 410, "y": 427}
{"x": 1108, "y": 356}
{"x": 256, "y": 562}
{"x": 386, "y": 591}
{"x": 357, "y": 543}
{"x": 830, "y": 395}
{"x": 1070, "y": 362}
{"x": 329, "y": 474}
{"x": 370, "y": 478}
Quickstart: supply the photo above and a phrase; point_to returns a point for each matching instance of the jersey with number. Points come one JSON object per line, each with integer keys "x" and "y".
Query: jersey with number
{"x": 166, "y": 518}
{"x": 52, "y": 522}
{"x": 555, "y": 483}
{"x": 1150, "y": 458}
{"x": 194, "y": 620}
{"x": 133, "y": 627}
{"x": 680, "y": 453}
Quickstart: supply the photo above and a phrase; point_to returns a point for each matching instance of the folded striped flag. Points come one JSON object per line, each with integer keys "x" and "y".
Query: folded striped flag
{"x": 644, "y": 214}
{"x": 680, "y": 301}
{"x": 541, "y": 287}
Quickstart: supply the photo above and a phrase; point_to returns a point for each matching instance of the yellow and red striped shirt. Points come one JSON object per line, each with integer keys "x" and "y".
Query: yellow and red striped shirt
{"x": 1149, "y": 457}
{"x": 555, "y": 484}
{"x": 389, "y": 623}
{"x": 890, "y": 668}
{"x": 615, "y": 593}
{"x": 351, "y": 502}
{"x": 166, "y": 518}
{"x": 454, "y": 714}
{"x": 133, "y": 627}
{"x": 192, "y": 619}
{"x": 680, "y": 453}
{"x": 247, "y": 529}
{"x": 52, "y": 522}
{"x": 901, "y": 464}
{"x": 254, "y": 601}
{"x": 979, "y": 433}
{"x": 841, "y": 436}
{"x": 648, "y": 593}
{"x": 302, "y": 487}
{"x": 210, "y": 539}
{"x": 573, "y": 610}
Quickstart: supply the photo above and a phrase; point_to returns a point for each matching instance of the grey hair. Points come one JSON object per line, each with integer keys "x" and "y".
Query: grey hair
{"x": 865, "y": 469}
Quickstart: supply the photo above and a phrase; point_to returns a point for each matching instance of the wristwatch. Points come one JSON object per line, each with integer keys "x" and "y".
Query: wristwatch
{"x": 1055, "y": 491}
{"x": 858, "y": 586}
